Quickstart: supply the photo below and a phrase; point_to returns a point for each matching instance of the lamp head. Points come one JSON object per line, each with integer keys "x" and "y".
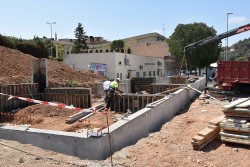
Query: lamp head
{"x": 229, "y": 13}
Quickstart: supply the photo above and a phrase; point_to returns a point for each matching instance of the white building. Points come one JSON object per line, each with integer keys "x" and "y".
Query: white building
{"x": 119, "y": 64}
{"x": 142, "y": 56}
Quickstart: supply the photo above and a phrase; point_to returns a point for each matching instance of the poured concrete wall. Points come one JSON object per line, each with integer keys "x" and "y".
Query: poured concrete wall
{"x": 123, "y": 133}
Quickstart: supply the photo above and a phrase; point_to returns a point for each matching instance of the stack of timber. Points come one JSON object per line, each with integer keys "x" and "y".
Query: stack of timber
{"x": 236, "y": 128}
{"x": 207, "y": 134}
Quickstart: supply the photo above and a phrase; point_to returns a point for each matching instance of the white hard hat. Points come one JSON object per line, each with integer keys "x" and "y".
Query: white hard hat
{"x": 118, "y": 79}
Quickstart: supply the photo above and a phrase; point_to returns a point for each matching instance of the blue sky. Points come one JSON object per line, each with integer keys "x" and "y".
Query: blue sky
{"x": 118, "y": 19}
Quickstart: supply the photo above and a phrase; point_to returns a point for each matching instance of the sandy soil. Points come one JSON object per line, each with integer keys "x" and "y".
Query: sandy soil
{"x": 53, "y": 118}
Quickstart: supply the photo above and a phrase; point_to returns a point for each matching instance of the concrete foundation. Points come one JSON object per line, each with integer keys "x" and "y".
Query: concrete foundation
{"x": 123, "y": 133}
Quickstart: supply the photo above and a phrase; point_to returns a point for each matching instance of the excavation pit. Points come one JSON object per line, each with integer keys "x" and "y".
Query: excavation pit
{"x": 123, "y": 133}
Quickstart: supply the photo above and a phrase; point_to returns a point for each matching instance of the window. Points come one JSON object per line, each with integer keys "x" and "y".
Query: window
{"x": 144, "y": 74}
{"x": 149, "y": 73}
{"x": 129, "y": 51}
{"x": 137, "y": 74}
{"x": 120, "y": 76}
{"x": 117, "y": 75}
{"x": 154, "y": 73}
{"x": 161, "y": 73}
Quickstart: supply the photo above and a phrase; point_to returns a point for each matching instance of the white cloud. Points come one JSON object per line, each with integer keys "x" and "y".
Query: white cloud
{"x": 158, "y": 31}
{"x": 237, "y": 20}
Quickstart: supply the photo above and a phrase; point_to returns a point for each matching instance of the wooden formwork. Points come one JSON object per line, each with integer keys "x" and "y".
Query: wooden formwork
{"x": 140, "y": 83}
{"x": 69, "y": 90}
{"x": 133, "y": 102}
{"x": 29, "y": 90}
{"x": 77, "y": 100}
{"x": 161, "y": 87}
{"x": 178, "y": 80}
{"x": 78, "y": 96}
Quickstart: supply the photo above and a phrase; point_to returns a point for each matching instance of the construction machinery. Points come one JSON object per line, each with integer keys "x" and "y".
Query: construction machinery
{"x": 233, "y": 77}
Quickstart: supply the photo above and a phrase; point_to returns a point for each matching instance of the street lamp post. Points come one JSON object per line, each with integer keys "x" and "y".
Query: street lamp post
{"x": 51, "y": 36}
{"x": 227, "y": 31}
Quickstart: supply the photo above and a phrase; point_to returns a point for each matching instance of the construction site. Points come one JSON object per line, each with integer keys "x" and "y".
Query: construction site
{"x": 51, "y": 114}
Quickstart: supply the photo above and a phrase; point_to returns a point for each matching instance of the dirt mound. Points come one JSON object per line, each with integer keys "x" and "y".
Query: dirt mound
{"x": 16, "y": 68}
{"x": 53, "y": 118}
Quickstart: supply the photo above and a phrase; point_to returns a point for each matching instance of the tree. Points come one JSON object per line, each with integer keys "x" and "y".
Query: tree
{"x": 186, "y": 34}
{"x": 117, "y": 45}
{"x": 44, "y": 50}
{"x": 80, "y": 43}
{"x": 7, "y": 42}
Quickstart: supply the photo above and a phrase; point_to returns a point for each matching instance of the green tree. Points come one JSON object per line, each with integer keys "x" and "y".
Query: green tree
{"x": 60, "y": 51}
{"x": 186, "y": 34}
{"x": 7, "y": 42}
{"x": 29, "y": 47}
{"x": 117, "y": 45}
{"x": 80, "y": 43}
{"x": 44, "y": 51}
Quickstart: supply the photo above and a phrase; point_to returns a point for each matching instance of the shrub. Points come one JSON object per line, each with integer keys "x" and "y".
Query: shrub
{"x": 7, "y": 42}
{"x": 30, "y": 48}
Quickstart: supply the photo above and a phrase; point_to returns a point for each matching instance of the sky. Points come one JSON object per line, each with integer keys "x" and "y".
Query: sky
{"x": 119, "y": 19}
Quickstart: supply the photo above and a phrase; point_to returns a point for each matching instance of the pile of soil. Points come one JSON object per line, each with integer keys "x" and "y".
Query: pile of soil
{"x": 16, "y": 68}
{"x": 53, "y": 118}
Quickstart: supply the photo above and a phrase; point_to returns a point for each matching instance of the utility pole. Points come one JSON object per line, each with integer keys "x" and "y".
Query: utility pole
{"x": 227, "y": 31}
{"x": 51, "y": 36}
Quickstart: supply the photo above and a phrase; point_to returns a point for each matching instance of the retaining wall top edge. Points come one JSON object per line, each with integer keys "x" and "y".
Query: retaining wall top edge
{"x": 49, "y": 132}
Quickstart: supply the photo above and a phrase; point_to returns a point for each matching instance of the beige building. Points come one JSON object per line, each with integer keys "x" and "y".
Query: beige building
{"x": 141, "y": 56}
{"x": 136, "y": 45}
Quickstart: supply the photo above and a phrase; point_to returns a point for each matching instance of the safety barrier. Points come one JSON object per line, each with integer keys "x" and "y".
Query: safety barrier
{"x": 29, "y": 90}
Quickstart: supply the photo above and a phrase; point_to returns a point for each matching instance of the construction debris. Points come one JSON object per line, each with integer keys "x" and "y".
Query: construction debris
{"x": 207, "y": 134}
{"x": 236, "y": 128}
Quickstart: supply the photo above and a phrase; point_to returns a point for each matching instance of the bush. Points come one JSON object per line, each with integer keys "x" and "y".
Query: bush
{"x": 7, "y": 42}
{"x": 30, "y": 48}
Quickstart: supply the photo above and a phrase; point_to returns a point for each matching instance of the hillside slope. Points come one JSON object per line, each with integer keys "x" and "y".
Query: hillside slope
{"x": 16, "y": 68}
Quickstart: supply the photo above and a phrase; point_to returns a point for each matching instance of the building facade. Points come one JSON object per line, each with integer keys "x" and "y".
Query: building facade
{"x": 141, "y": 56}
{"x": 118, "y": 65}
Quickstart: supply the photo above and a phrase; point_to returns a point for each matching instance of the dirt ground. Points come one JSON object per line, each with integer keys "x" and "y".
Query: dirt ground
{"x": 16, "y": 68}
{"x": 171, "y": 146}
{"x": 53, "y": 118}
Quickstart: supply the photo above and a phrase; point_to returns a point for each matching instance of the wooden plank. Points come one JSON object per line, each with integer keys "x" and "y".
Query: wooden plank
{"x": 234, "y": 135}
{"x": 205, "y": 132}
{"x": 217, "y": 120}
{"x": 198, "y": 139}
{"x": 235, "y": 103}
{"x": 244, "y": 104}
{"x": 238, "y": 141}
{"x": 199, "y": 147}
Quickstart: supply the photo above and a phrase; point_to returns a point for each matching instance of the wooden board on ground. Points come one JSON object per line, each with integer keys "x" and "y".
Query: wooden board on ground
{"x": 198, "y": 139}
{"x": 244, "y": 104}
{"x": 199, "y": 147}
{"x": 217, "y": 120}
{"x": 235, "y": 103}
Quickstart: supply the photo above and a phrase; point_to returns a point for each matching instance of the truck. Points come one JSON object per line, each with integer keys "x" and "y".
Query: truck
{"x": 232, "y": 77}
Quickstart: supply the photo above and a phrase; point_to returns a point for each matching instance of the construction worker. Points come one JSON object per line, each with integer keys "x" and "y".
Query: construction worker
{"x": 106, "y": 85}
{"x": 112, "y": 88}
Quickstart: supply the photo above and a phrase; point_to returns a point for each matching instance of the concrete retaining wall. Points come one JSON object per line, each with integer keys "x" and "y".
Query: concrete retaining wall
{"x": 123, "y": 133}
